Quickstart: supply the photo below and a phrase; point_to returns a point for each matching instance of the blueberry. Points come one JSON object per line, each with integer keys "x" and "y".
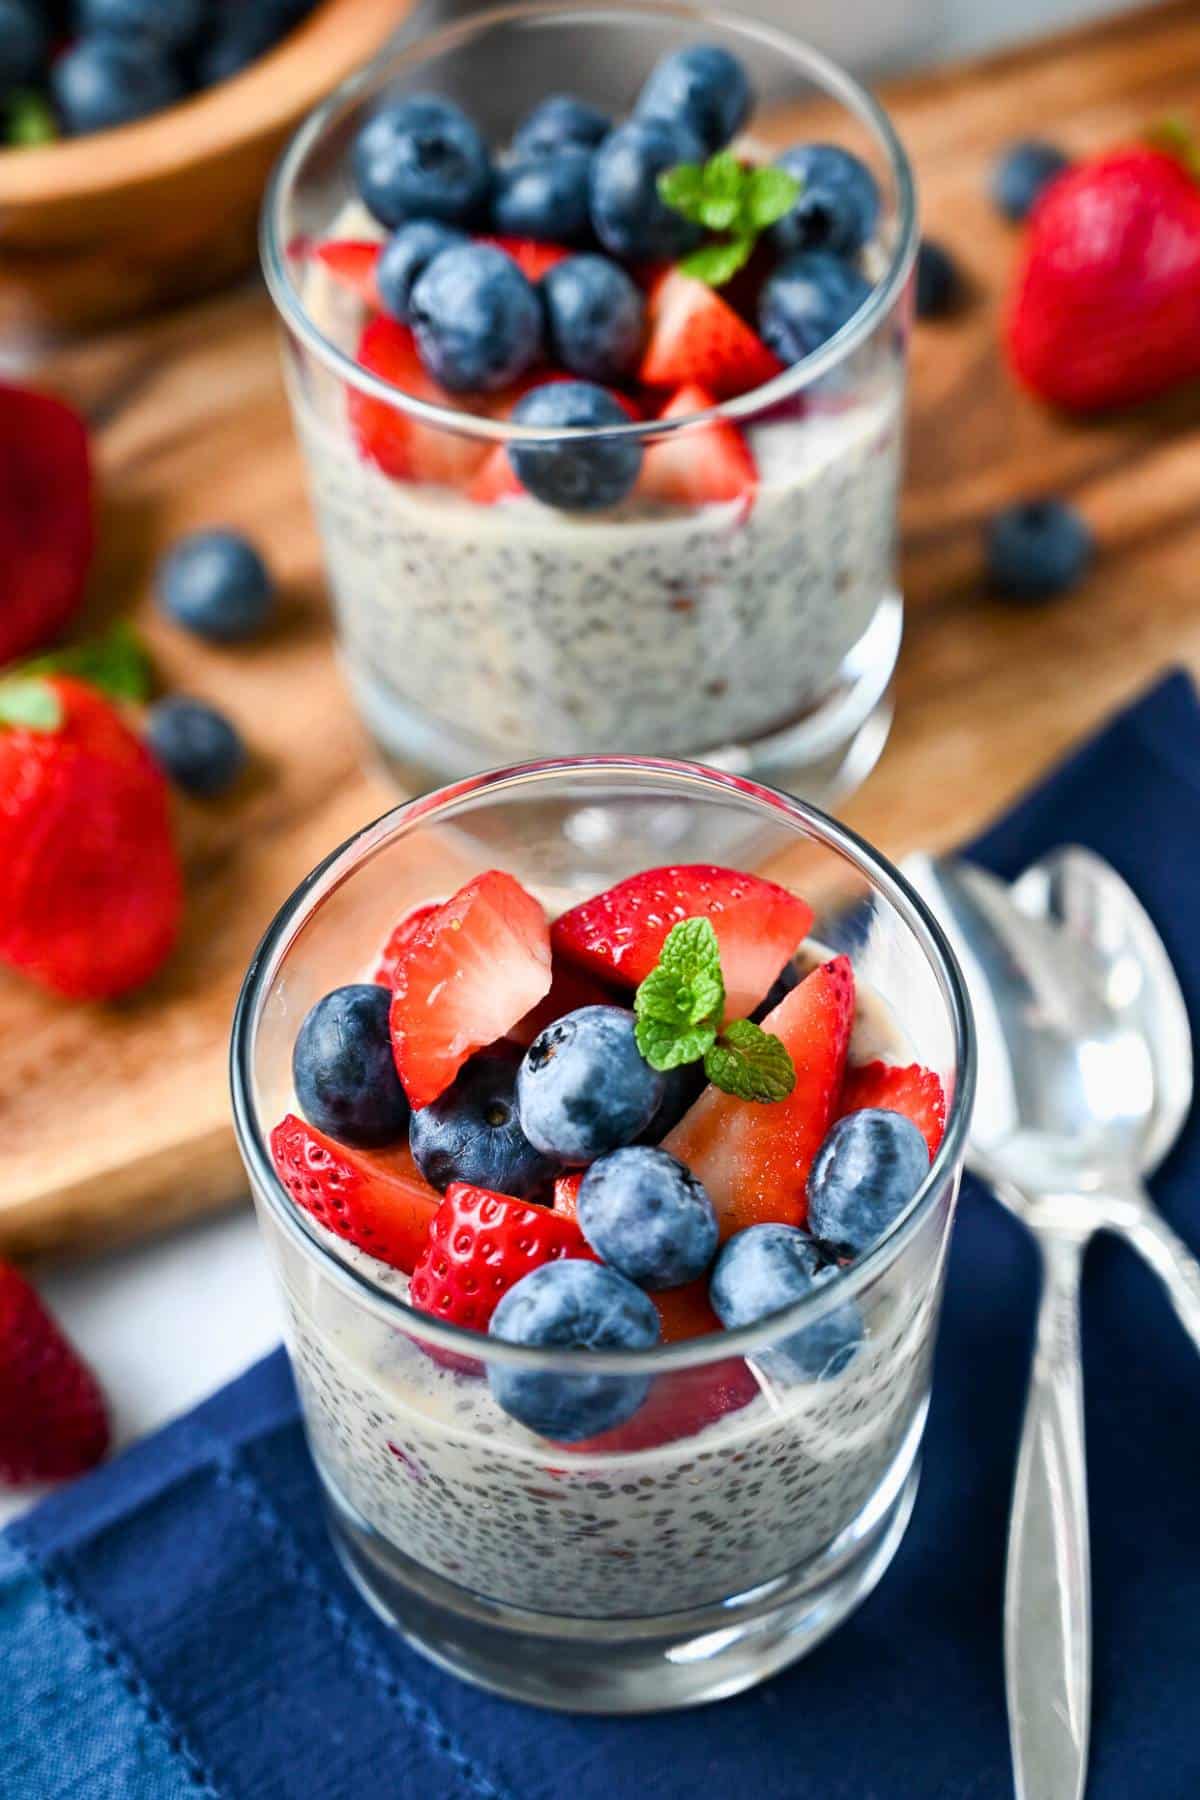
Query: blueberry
{"x": 938, "y": 281}
{"x": 584, "y": 1087}
{"x": 105, "y": 81}
{"x": 236, "y": 35}
{"x": 1021, "y": 172}
{"x": 196, "y": 745}
{"x": 579, "y": 1306}
{"x": 1037, "y": 549}
{"x": 702, "y": 87}
{"x": 545, "y": 197}
{"x": 422, "y": 158}
{"x": 779, "y": 989}
{"x": 574, "y": 475}
{"x": 806, "y": 300}
{"x": 173, "y": 23}
{"x": 628, "y": 216}
{"x": 595, "y": 317}
{"x": 471, "y": 1132}
{"x": 863, "y": 1177}
{"x": 477, "y": 320}
{"x": 559, "y": 120}
{"x": 343, "y": 1069}
{"x": 24, "y": 44}
{"x": 406, "y": 255}
{"x": 648, "y": 1216}
{"x": 838, "y": 207}
{"x": 767, "y": 1268}
{"x": 682, "y": 1087}
{"x": 216, "y": 584}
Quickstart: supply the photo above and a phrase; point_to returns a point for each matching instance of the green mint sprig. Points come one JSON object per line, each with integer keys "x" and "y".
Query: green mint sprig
{"x": 736, "y": 199}
{"x": 680, "y": 1009}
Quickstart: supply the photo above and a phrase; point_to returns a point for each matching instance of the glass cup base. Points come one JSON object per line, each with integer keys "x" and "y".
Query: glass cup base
{"x": 626, "y": 1666}
{"x": 822, "y": 756}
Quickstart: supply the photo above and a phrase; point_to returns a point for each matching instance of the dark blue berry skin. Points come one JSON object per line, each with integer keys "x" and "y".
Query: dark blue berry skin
{"x": 863, "y": 1177}
{"x": 682, "y": 1088}
{"x": 559, "y": 120}
{"x": 627, "y": 215}
{"x": 648, "y": 1217}
{"x": 806, "y": 300}
{"x": 422, "y": 158}
{"x": 939, "y": 284}
{"x": 105, "y": 81}
{"x": 471, "y": 1132}
{"x": 546, "y": 197}
{"x": 838, "y": 207}
{"x": 344, "y": 1072}
{"x": 196, "y": 746}
{"x": 702, "y": 87}
{"x": 477, "y": 320}
{"x": 216, "y": 584}
{"x": 572, "y": 1305}
{"x": 24, "y": 43}
{"x": 172, "y": 22}
{"x": 779, "y": 989}
{"x": 584, "y": 1088}
{"x": 1021, "y": 172}
{"x": 406, "y": 255}
{"x": 595, "y": 317}
{"x": 576, "y": 476}
{"x": 1037, "y": 549}
{"x": 236, "y": 35}
{"x": 767, "y": 1268}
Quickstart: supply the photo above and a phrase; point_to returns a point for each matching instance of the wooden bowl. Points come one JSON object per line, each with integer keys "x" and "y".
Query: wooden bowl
{"x": 99, "y": 228}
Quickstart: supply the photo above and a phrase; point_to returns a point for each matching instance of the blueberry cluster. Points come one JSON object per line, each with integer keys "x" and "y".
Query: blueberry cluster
{"x": 123, "y": 59}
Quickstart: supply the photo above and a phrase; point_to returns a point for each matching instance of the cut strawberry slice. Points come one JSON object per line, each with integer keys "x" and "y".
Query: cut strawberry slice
{"x": 474, "y": 967}
{"x": 377, "y": 1201}
{"x": 46, "y": 518}
{"x": 353, "y": 262}
{"x": 685, "y": 1312}
{"x": 702, "y": 466}
{"x": 532, "y": 257}
{"x": 912, "y": 1090}
{"x": 496, "y": 480}
{"x": 678, "y": 1406}
{"x": 403, "y": 934}
{"x": 566, "y": 1193}
{"x": 480, "y": 1244}
{"x": 618, "y": 934}
{"x": 402, "y": 446}
{"x": 754, "y": 1157}
{"x": 570, "y": 988}
{"x": 695, "y": 337}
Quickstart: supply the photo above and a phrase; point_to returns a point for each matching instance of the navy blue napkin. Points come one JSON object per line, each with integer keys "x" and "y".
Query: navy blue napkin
{"x": 176, "y": 1625}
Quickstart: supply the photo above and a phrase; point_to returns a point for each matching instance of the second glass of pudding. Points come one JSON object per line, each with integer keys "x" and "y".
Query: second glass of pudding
{"x": 763, "y": 1477}
{"x": 756, "y": 631}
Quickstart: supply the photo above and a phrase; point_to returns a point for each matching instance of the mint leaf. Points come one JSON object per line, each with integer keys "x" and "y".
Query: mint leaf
{"x": 30, "y": 119}
{"x": 116, "y": 663}
{"x": 667, "y": 1044}
{"x": 29, "y": 703}
{"x": 723, "y": 189}
{"x": 682, "y": 189}
{"x": 692, "y": 955}
{"x": 750, "y": 1063}
{"x": 715, "y": 264}
{"x": 679, "y": 1004}
{"x": 770, "y": 194}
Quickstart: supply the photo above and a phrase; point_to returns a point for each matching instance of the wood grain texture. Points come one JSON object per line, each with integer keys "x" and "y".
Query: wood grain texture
{"x": 115, "y": 1121}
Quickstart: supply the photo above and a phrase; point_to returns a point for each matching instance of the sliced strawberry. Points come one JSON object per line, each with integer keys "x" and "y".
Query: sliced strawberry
{"x": 620, "y": 932}
{"x": 693, "y": 336}
{"x": 352, "y": 262}
{"x": 678, "y": 1406}
{"x": 495, "y": 480}
{"x": 53, "y": 1420}
{"x": 702, "y": 466}
{"x": 570, "y": 988}
{"x": 912, "y": 1090}
{"x": 754, "y": 1157}
{"x": 402, "y": 446}
{"x": 685, "y": 1312}
{"x": 474, "y": 967}
{"x": 402, "y": 935}
{"x": 377, "y": 1201}
{"x": 532, "y": 257}
{"x": 480, "y": 1244}
{"x": 566, "y": 1193}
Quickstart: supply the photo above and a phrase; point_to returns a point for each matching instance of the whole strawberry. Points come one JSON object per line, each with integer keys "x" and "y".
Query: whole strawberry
{"x": 53, "y": 1421}
{"x": 1105, "y": 309}
{"x": 46, "y": 524}
{"x": 91, "y": 889}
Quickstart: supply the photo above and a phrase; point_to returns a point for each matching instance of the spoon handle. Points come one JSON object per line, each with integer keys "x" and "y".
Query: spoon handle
{"x": 1172, "y": 1262}
{"x": 1047, "y": 1597}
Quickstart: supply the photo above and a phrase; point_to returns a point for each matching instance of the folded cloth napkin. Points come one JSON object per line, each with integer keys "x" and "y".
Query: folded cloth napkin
{"x": 176, "y": 1624}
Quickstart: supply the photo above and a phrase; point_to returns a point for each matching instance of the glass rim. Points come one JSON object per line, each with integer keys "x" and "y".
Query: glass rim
{"x": 836, "y": 82}
{"x": 340, "y": 866}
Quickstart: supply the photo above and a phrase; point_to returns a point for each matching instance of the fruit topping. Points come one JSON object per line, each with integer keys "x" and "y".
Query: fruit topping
{"x": 403, "y": 446}
{"x": 595, "y": 317}
{"x": 584, "y": 1087}
{"x": 837, "y": 208}
{"x": 574, "y": 474}
{"x": 807, "y": 300}
{"x": 532, "y": 257}
{"x": 864, "y": 1175}
{"x": 343, "y": 1070}
{"x": 559, "y": 120}
{"x": 393, "y": 951}
{"x": 702, "y": 466}
{"x": 646, "y": 1215}
{"x": 472, "y": 1133}
{"x": 422, "y": 158}
{"x": 545, "y": 197}
{"x": 701, "y": 87}
{"x": 476, "y": 317}
{"x": 405, "y": 256}
{"x": 629, "y": 215}
{"x": 695, "y": 337}
{"x": 480, "y": 1245}
{"x": 378, "y": 1202}
{"x": 678, "y": 1406}
{"x": 355, "y": 263}
{"x": 764, "y": 1270}
{"x": 911, "y": 1090}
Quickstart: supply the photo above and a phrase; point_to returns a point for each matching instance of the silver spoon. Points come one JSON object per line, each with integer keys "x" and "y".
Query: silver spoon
{"x": 1085, "y": 1077}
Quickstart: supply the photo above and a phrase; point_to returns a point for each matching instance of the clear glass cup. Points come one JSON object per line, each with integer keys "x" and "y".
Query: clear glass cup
{"x": 759, "y": 635}
{"x": 754, "y": 1505}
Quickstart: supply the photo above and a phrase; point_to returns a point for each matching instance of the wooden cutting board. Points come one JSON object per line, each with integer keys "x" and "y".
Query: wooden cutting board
{"x": 115, "y": 1121}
